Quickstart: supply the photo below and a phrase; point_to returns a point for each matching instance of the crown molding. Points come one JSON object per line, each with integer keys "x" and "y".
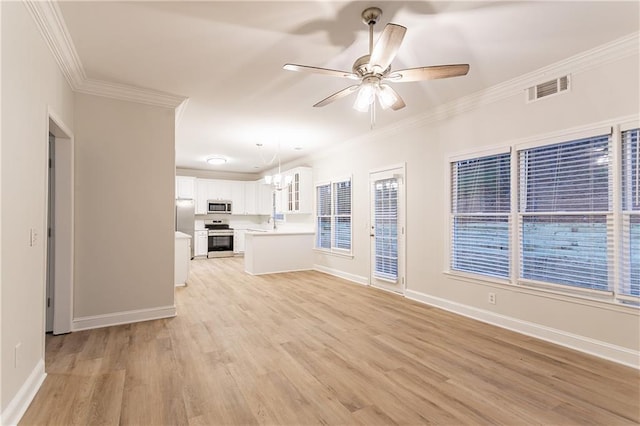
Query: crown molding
{"x": 130, "y": 93}
{"x": 50, "y": 22}
{"x": 48, "y": 19}
{"x": 601, "y": 55}
{"x": 180, "y": 110}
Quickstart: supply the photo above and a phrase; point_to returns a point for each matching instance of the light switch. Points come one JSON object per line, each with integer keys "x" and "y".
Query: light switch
{"x": 33, "y": 237}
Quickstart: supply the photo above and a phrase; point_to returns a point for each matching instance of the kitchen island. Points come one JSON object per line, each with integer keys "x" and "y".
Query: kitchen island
{"x": 273, "y": 251}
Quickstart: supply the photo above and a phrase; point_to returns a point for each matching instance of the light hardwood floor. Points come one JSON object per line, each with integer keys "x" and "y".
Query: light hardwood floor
{"x": 307, "y": 348}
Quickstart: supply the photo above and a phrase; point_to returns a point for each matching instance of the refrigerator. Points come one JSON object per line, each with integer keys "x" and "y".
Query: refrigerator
{"x": 185, "y": 218}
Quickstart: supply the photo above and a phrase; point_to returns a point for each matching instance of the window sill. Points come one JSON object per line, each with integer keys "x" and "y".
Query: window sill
{"x": 385, "y": 279}
{"x": 345, "y": 255}
{"x": 478, "y": 278}
{"x": 550, "y": 293}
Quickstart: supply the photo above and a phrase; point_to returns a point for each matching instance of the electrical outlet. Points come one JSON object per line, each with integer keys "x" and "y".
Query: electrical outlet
{"x": 492, "y": 298}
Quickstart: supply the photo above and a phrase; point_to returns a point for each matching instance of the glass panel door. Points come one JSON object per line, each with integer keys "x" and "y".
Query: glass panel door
{"x": 387, "y": 230}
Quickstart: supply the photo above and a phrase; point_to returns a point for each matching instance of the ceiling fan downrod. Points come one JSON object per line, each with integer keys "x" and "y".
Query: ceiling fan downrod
{"x": 370, "y": 17}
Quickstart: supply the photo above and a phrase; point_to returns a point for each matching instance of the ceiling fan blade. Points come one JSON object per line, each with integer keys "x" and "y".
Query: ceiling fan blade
{"x": 341, "y": 94}
{"x": 399, "y": 103}
{"x": 386, "y": 47}
{"x": 318, "y": 70}
{"x": 428, "y": 73}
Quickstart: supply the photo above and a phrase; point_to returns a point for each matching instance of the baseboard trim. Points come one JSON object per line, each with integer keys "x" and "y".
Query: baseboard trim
{"x": 119, "y": 318}
{"x": 358, "y": 279}
{"x": 20, "y": 402}
{"x": 594, "y": 347}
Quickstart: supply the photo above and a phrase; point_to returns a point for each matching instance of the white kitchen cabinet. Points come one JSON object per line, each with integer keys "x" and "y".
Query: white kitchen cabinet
{"x": 220, "y": 190}
{"x": 185, "y": 187}
{"x": 264, "y": 198}
{"x": 298, "y": 196}
{"x": 211, "y": 189}
{"x": 238, "y": 240}
{"x": 247, "y": 198}
{"x": 238, "y": 205}
{"x": 201, "y": 243}
{"x": 250, "y": 197}
{"x": 202, "y": 188}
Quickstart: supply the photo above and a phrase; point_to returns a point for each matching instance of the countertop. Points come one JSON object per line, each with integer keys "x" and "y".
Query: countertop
{"x": 271, "y": 232}
{"x": 182, "y": 236}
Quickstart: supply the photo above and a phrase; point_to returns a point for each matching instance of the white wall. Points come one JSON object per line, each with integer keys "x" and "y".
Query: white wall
{"x": 124, "y": 211}
{"x": 31, "y": 82}
{"x": 598, "y": 93}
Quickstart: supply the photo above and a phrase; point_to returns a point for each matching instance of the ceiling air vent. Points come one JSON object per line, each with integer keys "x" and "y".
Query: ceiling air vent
{"x": 548, "y": 88}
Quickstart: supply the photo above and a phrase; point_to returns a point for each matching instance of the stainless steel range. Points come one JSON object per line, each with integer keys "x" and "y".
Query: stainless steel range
{"x": 220, "y": 241}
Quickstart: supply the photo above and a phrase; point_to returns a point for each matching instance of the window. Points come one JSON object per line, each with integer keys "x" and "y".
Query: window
{"x": 565, "y": 213}
{"x": 333, "y": 216}
{"x": 323, "y": 213}
{"x": 630, "y": 258}
{"x": 561, "y": 213}
{"x": 480, "y": 210}
{"x": 342, "y": 215}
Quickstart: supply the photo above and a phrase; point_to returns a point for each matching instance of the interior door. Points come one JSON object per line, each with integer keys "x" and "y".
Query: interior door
{"x": 387, "y": 229}
{"x": 50, "y": 242}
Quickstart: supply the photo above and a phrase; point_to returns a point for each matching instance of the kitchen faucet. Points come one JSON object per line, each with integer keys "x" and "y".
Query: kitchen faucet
{"x": 274, "y": 227}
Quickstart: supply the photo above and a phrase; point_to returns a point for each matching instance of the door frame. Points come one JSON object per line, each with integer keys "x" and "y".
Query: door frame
{"x": 402, "y": 221}
{"x": 63, "y": 225}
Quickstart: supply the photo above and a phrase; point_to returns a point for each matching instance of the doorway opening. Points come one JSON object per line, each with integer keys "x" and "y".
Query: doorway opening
{"x": 387, "y": 206}
{"x": 59, "y": 252}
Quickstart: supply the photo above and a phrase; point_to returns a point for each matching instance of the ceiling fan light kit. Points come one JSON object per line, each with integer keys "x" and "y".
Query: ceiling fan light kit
{"x": 374, "y": 69}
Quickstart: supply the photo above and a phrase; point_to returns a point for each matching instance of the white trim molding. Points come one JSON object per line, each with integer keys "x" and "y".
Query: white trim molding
{"x": 16, "y": 408}
{"x": 341, "y": 274}
{"x": 130, "y": 93}
{"x": 587, "y": 345}
{"x": 607, "y": 53}
{"x": 119, "y": 318}
{"x": 50, "y": 22}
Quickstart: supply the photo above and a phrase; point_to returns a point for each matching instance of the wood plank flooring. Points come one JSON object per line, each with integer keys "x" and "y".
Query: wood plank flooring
{"x": 307, "y": 348}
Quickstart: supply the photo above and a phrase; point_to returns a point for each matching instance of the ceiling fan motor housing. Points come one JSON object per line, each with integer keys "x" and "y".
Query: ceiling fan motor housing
{"x": 361, "y": 65}
{"x": 371, "y": 15}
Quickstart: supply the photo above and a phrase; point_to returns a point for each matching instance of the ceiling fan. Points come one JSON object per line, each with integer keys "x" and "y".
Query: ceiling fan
{"x": 374, "y": 70}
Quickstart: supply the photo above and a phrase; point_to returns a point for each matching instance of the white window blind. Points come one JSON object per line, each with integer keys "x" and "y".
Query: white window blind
{"x": 323, "y": 215}
{"x": 630, "y": 259}
{"x": 342, "y": 215}
{"x": 566, "y": 222}
{"x": 386, "y": 229}
{"x": 480, "y": 208}
{"x": 333, "y": 216}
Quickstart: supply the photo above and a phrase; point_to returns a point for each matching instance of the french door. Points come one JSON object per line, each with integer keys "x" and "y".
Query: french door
{"x": 387, "y": 229}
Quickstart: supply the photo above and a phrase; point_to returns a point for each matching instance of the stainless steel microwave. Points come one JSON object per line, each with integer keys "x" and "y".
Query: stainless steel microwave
{"x": 217, "y": 206}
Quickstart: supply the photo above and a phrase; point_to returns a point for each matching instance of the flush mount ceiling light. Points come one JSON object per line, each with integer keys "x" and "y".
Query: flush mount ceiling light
{"x": 216, "y": 161}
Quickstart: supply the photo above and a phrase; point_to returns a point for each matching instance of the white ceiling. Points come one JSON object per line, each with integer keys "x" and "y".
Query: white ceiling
{"x": 227, "y": 58}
